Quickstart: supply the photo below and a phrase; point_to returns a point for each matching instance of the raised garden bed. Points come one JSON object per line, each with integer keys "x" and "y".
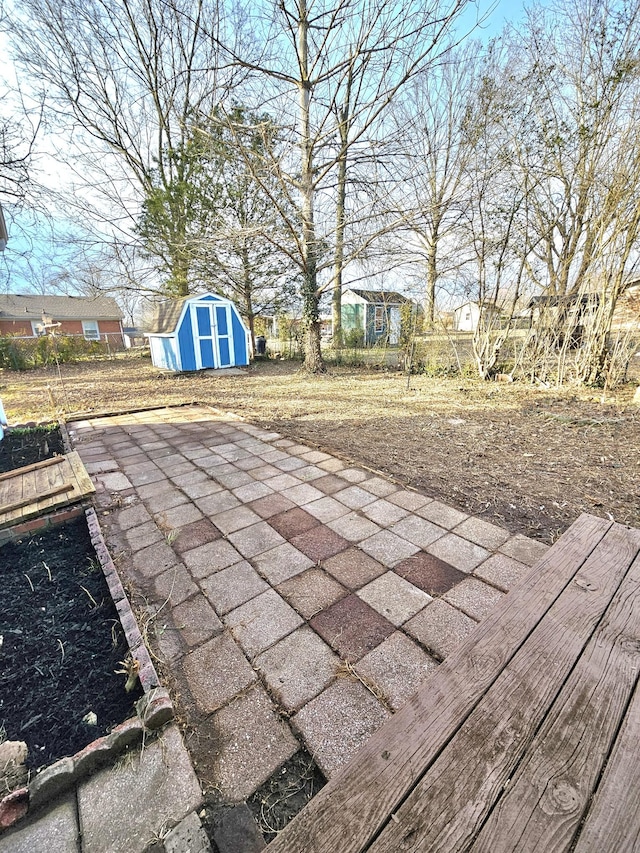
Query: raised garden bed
{"x": 61, "y": 637}
{"x": 62, "y": 644}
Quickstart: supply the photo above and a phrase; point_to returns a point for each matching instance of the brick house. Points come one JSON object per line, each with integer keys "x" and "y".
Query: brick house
{"x": 30, "y": 315}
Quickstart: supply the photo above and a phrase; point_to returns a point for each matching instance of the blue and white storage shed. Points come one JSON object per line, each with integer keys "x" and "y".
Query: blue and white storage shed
{"x": 198, "y": 332}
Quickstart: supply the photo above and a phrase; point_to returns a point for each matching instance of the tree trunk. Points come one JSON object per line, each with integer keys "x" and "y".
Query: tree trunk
{"x": 178, "y": 285}
{"x": 432, "y": 276}
{"x": 312, "y": 355}
{"x": 343, "y": 127}
{"x": 336, "y": 302}
{"x": 247, "y": 292}
{"x": 313, "y": 361}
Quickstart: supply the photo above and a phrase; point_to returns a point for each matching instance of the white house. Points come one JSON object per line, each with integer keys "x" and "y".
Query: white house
{"x": 467, "y": 316}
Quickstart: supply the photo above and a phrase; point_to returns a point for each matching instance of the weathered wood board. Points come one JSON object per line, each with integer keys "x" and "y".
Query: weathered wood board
{"x": 503, "y": 748}
{"x": 53, "y": 483}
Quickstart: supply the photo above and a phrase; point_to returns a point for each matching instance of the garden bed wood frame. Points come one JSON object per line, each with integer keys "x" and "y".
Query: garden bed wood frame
{"x": 42, "y": 487}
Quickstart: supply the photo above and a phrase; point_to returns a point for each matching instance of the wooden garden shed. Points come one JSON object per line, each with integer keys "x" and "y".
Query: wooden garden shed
{"x": 374, "y": 313}
{"x": 204, "y": 331}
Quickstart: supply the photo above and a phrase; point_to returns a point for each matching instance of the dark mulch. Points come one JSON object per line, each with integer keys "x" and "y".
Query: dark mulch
{"x": 283, "y": 795}
{"x": 62, "y": 642}
{"x": 21, "y": 447}
{"x": 275, "y": 802}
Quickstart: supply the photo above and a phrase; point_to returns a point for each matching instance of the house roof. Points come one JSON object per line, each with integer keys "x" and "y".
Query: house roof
{"x": 388, "y": 297}
{"x": 564, "y": 301}
{"x": 487, "y": 305}
{"x": 17, "y": 306}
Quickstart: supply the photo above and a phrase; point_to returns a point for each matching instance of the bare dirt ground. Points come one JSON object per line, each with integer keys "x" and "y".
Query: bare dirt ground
{"x": 526, "y": 458}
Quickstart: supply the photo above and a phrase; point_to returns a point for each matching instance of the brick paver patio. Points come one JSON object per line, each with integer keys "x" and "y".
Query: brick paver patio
{"x": 265, "y": 565}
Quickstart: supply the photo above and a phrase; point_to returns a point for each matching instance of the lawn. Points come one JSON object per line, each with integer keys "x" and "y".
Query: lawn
{"x": 530, "y": 459}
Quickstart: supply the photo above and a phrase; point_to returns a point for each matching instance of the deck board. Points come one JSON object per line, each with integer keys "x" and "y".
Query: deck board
{"x": 464, "y": 783}
{"x": 547, "y": 798}
{"x": 613, "y": 822}
{"x": 352, "y": 809}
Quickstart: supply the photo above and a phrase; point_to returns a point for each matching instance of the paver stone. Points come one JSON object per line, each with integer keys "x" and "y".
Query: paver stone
{"x": 351, "y": 627}
{"x": 394, "y": 598}
{"x": 253, "y": 540}
{"x": 429, "y": 573}
{"x": 298, "y": 667}
{"x": 319, "y": 543}
{"x": 502, "y": 571}
{"x": 524, "y": 550}
{"x": 440, "y": 627}
{"x": 473, "y": 597}
{"x": 241, "y": 745}
{"x": 353, "y": 568}
{"x": 261, "y": 622}
{"x": 216, "y": 672}
{"x": 458, "y": 552}
{"x": 337, "y": 723}
{"x": 311, "y": 591}
{"x": 398, "y": 666}
{"x": 125, "y": 806}
{"x": 55, "y": 831}
{"x": 231, "y": 587}
{"x": 196, "y": 620}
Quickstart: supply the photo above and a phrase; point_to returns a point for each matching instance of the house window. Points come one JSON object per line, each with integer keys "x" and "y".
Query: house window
{"x": 379, "y": 320}
{"x": 37, "y": 328}
{"x": 90, "y": 330}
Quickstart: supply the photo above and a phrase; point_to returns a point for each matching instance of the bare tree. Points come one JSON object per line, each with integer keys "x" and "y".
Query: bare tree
{"x": 344, "y": 62}
{"x": 232, "y": 216}
{"x": 123, "y": 79}
{"x": 573, "y": 72}
{"x": 436, "y": 150}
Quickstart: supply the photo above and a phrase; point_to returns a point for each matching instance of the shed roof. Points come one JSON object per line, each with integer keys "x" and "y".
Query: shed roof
{"x": 388, "y": 297}
{"x": 18, "y": 306}
{"x": 165, "y": 316}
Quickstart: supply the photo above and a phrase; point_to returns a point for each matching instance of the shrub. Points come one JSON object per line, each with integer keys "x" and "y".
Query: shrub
{"x": 353, "y": 339}
{"x": 28, "y": 353}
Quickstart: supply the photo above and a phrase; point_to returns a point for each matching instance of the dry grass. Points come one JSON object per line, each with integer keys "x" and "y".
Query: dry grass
{"x": 529, "y": 459}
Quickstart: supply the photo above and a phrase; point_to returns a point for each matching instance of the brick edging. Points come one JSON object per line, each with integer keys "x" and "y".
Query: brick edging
{"x": 42, "y": 522}
{"x": 155, "y": 708}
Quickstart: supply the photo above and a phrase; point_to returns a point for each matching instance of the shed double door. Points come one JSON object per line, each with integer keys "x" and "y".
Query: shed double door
{"x": 213, "y": 334}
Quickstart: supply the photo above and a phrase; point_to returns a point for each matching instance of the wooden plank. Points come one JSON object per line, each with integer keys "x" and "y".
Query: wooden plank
{"x": 29, "y": 494}
{"x": 11, "y": 491}
{"x": 17, "y": 472}
{"x": 44, "y": 496}
{"x": 355, "y": 804}
{"x": 83, "y": 480}
{"x": 470, "y": 774}
{"x": 47, "y": 481}
{"x": 613, "y": 821}
{"x": 550, "y": 792}
{"x": 40, "y": 489}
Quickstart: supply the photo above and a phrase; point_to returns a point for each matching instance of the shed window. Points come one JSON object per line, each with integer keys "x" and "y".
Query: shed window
{"x": 379, "y": 321}
{"x": 90, "y": 330}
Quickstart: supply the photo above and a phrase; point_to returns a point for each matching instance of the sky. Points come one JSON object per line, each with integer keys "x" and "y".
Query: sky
{"x": 32, "y": 252}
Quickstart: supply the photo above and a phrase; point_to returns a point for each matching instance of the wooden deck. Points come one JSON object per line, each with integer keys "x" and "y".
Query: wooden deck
{"x": 527, "y": 738}
{"x": 28, "y": 492}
